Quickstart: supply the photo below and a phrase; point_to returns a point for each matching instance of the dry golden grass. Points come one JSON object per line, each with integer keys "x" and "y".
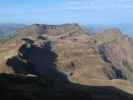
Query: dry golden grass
{"x": 78, "y": 59}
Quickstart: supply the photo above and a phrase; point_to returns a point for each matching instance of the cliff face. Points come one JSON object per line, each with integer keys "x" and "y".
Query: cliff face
{"x": 119, "y": 54}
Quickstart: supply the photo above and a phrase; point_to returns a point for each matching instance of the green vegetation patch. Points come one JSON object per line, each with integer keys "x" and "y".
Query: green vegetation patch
{"x": 6, "y": 38}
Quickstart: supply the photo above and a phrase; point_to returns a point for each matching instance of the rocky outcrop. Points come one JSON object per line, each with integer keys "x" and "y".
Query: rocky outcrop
{"x": 116, "y": 51}
{"x": 119, "y": 54}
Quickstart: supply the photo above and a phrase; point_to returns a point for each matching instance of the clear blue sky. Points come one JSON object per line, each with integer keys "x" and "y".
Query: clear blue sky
{"x": 62, "y": 11}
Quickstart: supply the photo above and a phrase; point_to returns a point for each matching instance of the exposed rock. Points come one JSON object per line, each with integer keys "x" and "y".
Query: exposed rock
{"x": 119, "y": 54}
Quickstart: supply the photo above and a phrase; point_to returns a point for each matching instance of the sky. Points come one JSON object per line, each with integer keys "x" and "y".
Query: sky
{"x": 66, "y": 11}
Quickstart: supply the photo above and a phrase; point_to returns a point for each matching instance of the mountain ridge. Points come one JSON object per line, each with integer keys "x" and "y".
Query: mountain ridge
{"x": 67, "y": 52}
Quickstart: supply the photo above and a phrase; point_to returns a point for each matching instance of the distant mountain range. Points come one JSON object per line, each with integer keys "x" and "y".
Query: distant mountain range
{"x": 6, "y": 29}
{"x": 126, "y": 28}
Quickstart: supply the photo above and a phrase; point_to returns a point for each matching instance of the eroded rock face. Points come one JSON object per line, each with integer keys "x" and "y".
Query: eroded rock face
{"x": 116, "y": 51}
{"x": 119, "y": 54}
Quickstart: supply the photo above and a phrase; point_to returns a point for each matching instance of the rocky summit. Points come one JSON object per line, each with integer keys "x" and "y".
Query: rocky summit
{"x": 65, "y": 62}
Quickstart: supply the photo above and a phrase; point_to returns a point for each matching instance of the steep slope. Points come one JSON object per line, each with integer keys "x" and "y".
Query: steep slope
{"x": 116, "y": 51}
{"x": 119, "y": 54}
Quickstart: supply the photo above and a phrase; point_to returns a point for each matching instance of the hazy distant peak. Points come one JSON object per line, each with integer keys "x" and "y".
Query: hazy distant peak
{"x": 8, "y": 29}
{"x": 113, "y": 30}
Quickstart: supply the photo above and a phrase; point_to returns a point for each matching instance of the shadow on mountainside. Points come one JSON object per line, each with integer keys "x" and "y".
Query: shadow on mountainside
{"x": 36, "y": 59}
{"x": 50, "y": 83}
{"x": 17, "y": 87}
